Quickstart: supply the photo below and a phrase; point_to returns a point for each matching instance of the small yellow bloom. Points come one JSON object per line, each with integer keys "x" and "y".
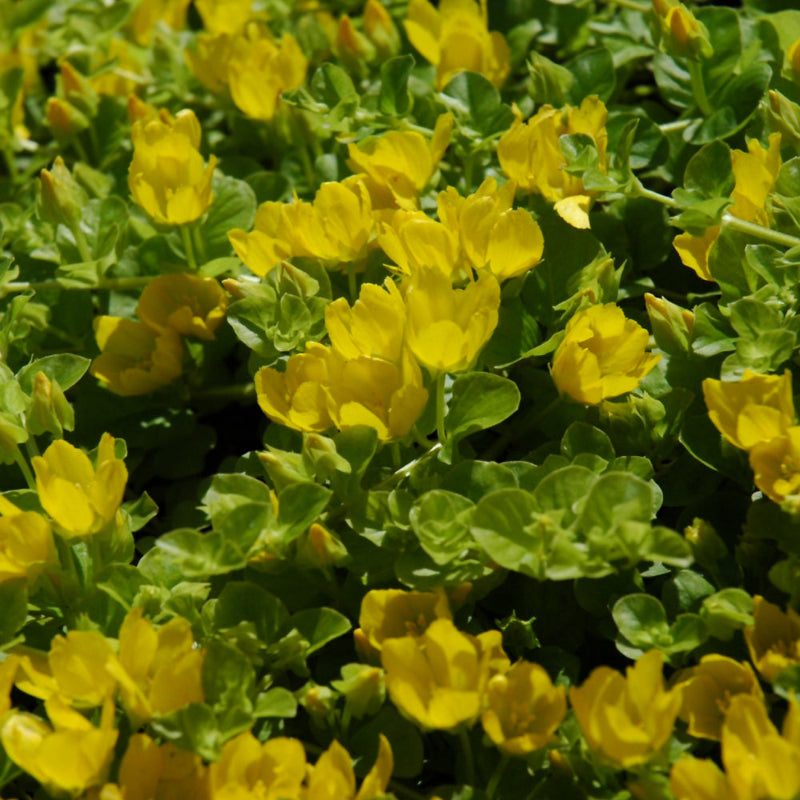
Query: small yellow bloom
{"x": 64, "y": 119}
{"x": 167, "y": 177}
{"x": 62, "y": 197}
{"x": 700, "y": 779}
{"x": 524, "y": 709}
{"x": 260, "y": 69}
{"x": 121, "y": 74}
{"x": 159, "y": 670}
{"x": 373, "y": 327}
{"x": 26, "y": 544}
{"x": 75, "y": 670}
{"x": 707, "y": 690}
{"x": 150, "y": 12}
{"x": 81, "y": 499}
{"x": 134, "y": 359}
{"x": 627, "y": 720}
{"x": 446, "y": 328}
{"x": 210, "y": 58}
{"x": 247, "y": 768}
{"x": 416, "y": 242}
{"x": 296, "y": 398}
{"x": 508, "y": 242}
{"x": 69, "y": 757}
{"x": 400, "y": 163}
{"x": 152, "y": 771}
{"x": 187, "y": 304}
{"x": 393, "y": 613}
{"x": 682, "y": 35}
{"x": 755, "y": 409}
{"x": 438, "y": 679}
{"x": 530, "y": 155}
{"x": 456, "y": 38}
{"x": 756, "y": 172}
{"x": 774, "y": 639}
{"x": 776, "y": 466}
{"x": 225, "y": 16}
{"x": 602, "y": 355}
{"x": 333, "y": 778}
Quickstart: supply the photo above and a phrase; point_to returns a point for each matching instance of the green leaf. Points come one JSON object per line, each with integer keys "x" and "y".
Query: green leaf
{"x": 441, "y": 522}
{"x": 479, "y": 401}
{"x": 298, "y": 506}
{"x": 403, "y": 736}
{"x": 583, "y": 438}
{"x": 394, "y": 99}
{"x": 473, "y": 98}
{"x": 331, "y": 85}
{"x": 14, "y": 602}
{"x": 318, "y": 626}
{"x": 709, "y": 171}
{"x": 275, "y": 703}
{"x": 727, "y": 611}
{"x": 242, "y": 601}
{"x": 234, "y": 206}
{"x": 641, "y": 619}
{"x": 614, "y": 497}
{"x": 594, "y": 74}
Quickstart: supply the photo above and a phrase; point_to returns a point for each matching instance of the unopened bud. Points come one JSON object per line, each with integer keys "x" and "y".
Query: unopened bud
{"x": 672, "y": 325}
{"x": 62, "y": 198}
{"x": 381, "y": 30}
{"x": 50, "y": 411}
{"x": 706, "y": 544}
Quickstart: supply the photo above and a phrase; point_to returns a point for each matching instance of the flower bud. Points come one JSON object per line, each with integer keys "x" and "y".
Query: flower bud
{"x": 363, "y": 687}
{"x": 320, "y": 549}
{"x": 51, "y": 410}
{"x": 62, "y": 198}
{"x": 707, "y": 546}
{"x": 381, "y": 30}
{"x": 64, "y": 119}
{"x": 680, "y": 33}
{"x": 672, "y": 325}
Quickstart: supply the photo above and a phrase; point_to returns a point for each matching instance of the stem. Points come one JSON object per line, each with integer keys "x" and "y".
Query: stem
{"x": 469, "y": 761}
{"x": 351, "y": 282}
{"x": 80, "y": 241}
{"x": 420, "y": 439}
{"x": 110, "y": 284}
{"x": 497, "y": 776}
{"x": 32, "y": 448}
{"x": 640, "y": 191}
{"x": 699, "y": 88}
{"x": 239, "y": 391}
{"x": 199, "y": 244}
{"x": 640, "y": 7}
{"x": 11, "y": 164}
{"x": 441, "y": 433}
{"x": 768, "y": 235}
{"x": 25, "y": 469}
{"x": 397, "y": 461}
{"x": 468, "y": 164}
{"x": 407, "y": 469}
{"x": 80, "y": 150}
{"x": 403, "y": 791}
{"x": 187, "y": 246}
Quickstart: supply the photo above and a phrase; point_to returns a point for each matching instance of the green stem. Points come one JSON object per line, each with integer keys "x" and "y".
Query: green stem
{"x": 752, "y": 229}
{"x": 352, "y": 287}
{"x": 640, "y": 191}
{"x": 469, "y": 761}
{"x": 397, "y": 461}
{"x": 199, "y": 244}
{"x": 239, "y": 391}
{"x": 640, "y": 7}
{"x": 441, "y": 433}
{"x": 80, "y": 150}
{"x": 110, "y": 284}
{"x": 25, "y": 469}
{"x": 32, "y": 448}
{"x": 11, "y": 164}
{"x": 497, "y": 776}
{"x": 403, "y": 791}
{"x": 187, "y": 246}
{"x": 424, "y": 443}
{"x": 469, "y": 162}
{"x": 699, "y": 88}
{"x": 406, "y": 470}
{"x": 81, "y": 242}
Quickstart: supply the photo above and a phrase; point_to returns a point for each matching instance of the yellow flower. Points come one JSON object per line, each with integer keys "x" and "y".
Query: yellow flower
{"x": 455, "y": 38}
{"x": 81, "y": 499}
{"x": 627, "y": 720}
{"x": 699, "y": 779}
{"x": 150, "y": 12}
{"x": 774, "y": 639}
{"x": 225, "y": 16}
{"x": 68, "y": 757}
{"x": 149, "y": 771}
{"x": 210, "y": 58}
{"x": 400, "y": 163}
{"x": 530, "y": 155}
{"x": 601, "y": 355}
{"x": 386, "y": 396}
{"x": 26, "y": 543}
{"x": 134, "y": 359}
{"x": 755, "y": 172}
{"x": 707, "y": 690}
{"x": 416, "y": 242}
{"x": 754, "y": 409}
{"x": 508, "y": 242}
{"x": 332, "y": 777}
{"x": 524, "y": 709}
{"x": 394, "y": 613}
{"x": 158, "y": 670}
{"x": 296, "y": 398}
{"x": 75, "y": 670}
{"x": 64, "y": 119}
{"x": 247, "y": 768}
{"x": 187, "y": 304}
{"x": 446, "y": 328}
{"x": 261, "y": 68}
{"x": 380, "y": 29}
{"x": 776, "y": 466}
{"x": 8, "y": 674}
{"x": 121, "y": 74}
{"x": 167, "y": 177}
{"x": 682, "y": 35}
{"x": 374, "y": 326}
{"x": 438, "y": 679}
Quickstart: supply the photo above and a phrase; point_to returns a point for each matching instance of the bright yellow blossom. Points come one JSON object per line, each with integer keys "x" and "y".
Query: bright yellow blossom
{"x": 121, "y": 74}
{"x": 82, "y": 499}
{"x": 399, "y": 164}
{"x": 374, "y": 326}
{"x": 149, "y": 13}
{"x": 602, "y": 355}
{"x": 159, "y": 670}
{"x": 773, "y": 639}
{"x": 333, "y": 778}
{"x": 793, "y": 57}
{"x": 438, "y": 679}
{"x": 707, "y": 691}
{"x": 26, "y": 543}
{"x": 68, "y": 757}
{"x": 260, "y": 69}
{"x": 446, "y": 328}
{"x": 776, "y": 466}
{"x": 210, "y": 58}
{"x": 530, "y": 155}
{"x": 456, "y": 38}
{"x": 167, "y": 177}
{"x": 756, "y": 408}
{"x": 627, "y": 720}
{"x": 225, "y": 16}
{"x": 756, "y": 172}
{"x": 523, "y": 709}
{"x": 190, "y": 305}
